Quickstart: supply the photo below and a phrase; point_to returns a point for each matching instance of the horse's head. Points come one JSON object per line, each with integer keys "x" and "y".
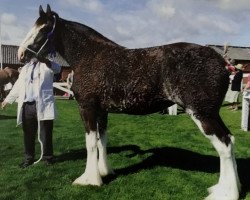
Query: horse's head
{"x": 39, "y": 40}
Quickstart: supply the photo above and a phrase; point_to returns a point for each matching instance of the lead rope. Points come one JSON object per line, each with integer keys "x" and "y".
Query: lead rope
{"x": 38, "y": 121}
{"x": 38, "y": 100}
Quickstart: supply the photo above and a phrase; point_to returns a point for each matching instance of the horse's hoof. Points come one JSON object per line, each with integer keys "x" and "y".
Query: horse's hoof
{"x": 218, "y": 192}
{"x": 212, "y": 189}
{"x": 216, "y": 197}
{"x": 88, "y": 180}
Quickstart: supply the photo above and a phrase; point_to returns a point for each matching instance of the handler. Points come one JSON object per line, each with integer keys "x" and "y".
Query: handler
{"x": 34, "y": 90}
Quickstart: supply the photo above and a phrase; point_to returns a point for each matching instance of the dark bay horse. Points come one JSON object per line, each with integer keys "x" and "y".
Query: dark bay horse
{"x": 111, "y": 78}
{"x": 7, "y": 75}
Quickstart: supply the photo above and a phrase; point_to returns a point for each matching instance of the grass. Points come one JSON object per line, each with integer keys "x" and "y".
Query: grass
{"x": 155, "y": 157}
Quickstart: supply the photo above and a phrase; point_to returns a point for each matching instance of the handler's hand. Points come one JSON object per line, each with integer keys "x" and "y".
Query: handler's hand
{"x": 3, "y": 105}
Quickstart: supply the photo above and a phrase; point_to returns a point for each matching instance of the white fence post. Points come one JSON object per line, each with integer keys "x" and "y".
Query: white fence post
{"x": 245, "y": 110}
{"x": 172, "y": 110}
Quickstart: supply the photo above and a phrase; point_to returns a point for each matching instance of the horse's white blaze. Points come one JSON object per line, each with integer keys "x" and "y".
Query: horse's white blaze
{"x": 91, "y": 176}
{"x": 103, "y": 165}
{"x": 29, "y": 39}
{"x": 229, "y": 185}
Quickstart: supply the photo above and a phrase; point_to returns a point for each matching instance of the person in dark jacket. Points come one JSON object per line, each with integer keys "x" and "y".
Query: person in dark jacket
{"x": 236, "y": 85}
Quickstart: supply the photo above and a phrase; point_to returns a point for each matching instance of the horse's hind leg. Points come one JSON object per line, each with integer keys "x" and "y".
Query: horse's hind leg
{"x": 228, "y": 185}
{"x": 233, "y": 157}
{"x": 103, "y": 165}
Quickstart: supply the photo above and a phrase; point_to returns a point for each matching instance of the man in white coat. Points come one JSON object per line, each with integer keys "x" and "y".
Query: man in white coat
{"x": 34, "y": 90}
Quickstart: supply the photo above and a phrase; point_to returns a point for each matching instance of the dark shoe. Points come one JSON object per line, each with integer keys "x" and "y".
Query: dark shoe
{"x": 26, "y": 163}
{"x": 49, "y": 161}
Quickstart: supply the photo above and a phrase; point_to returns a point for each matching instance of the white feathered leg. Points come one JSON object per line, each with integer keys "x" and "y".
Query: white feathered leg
{"x": 103, "y": 165}
{"x": 228, "y": 186}
{"x": 91, "y": 176}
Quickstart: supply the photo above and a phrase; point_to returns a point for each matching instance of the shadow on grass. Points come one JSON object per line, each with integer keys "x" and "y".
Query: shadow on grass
{"x": 167, "y": 157}
{"x": 3, "y": 117}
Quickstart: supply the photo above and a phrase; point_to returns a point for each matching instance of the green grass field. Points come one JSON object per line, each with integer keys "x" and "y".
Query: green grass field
{"x": 155, "y": 157}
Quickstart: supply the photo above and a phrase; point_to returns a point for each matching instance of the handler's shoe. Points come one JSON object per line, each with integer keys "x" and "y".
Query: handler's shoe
{"x": 26, "y": 163}
{"x": 235, "y": 108}
{"x": 49, "y": 161}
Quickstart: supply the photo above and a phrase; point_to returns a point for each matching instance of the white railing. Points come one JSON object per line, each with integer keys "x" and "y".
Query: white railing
{"x": 63, "y": 86}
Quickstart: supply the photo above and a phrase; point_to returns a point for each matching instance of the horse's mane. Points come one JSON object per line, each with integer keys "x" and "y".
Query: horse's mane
{"x": 88, "y": 32}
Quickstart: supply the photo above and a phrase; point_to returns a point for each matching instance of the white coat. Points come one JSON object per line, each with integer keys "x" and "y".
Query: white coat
{"x": 45, "y": 103}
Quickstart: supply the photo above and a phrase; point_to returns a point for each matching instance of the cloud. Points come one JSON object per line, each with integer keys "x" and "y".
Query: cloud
{"x": 5, "y": 37}
{"x": 136, "y": 24}
{"x": 12, "y": 31}
{"x": 160, "y": 22}
{"x": 13, "y": 34}
{"x": 86, "y": 5}
{"x": 234, "y": 5}
{"x": 8, "y": 19}
{"x": 217, "y": 25}
{"x": 161, "y": 8}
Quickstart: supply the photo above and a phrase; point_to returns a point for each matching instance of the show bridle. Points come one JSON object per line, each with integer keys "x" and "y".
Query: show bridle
{"x": 49, "y": 35}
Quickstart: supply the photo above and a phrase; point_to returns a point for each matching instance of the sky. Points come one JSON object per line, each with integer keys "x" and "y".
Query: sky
{"x": 139, "y": 23}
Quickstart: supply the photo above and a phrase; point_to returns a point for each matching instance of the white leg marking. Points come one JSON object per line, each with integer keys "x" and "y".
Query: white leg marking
{"x": 228, "y": 186}
{"x": 196, "y": 121}
{"x": 103, "y": 165}
{"x": 91, "y": 176}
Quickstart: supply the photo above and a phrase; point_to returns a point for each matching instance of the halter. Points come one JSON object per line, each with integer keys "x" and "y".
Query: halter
{"x": 52, "y": 48}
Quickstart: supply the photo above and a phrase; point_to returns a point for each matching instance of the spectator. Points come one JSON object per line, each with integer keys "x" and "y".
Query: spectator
{"x": 236, "y": 86}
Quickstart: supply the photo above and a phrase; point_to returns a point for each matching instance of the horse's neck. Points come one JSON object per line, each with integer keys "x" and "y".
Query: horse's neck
{"x": 78, "y": 41}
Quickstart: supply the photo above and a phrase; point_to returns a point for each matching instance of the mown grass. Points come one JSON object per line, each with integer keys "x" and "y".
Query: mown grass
{"x": 155, "y": 157}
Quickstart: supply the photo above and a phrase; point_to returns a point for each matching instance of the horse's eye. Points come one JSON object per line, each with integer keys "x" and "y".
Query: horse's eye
{"x": 44, "y": 30}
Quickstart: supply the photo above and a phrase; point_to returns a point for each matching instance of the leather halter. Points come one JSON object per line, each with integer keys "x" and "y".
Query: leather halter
{"x": 52, "y": 48}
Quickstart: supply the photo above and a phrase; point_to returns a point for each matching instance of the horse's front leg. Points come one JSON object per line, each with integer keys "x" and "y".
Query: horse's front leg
{"x": 91, "y": 176}
{"x": 103, "y": 165}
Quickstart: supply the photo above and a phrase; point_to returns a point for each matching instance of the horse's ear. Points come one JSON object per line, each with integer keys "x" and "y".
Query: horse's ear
{"x": 41, "y": 12}
{"x": 48, "y": 9}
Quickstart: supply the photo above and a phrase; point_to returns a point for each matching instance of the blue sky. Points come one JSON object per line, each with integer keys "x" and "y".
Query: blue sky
{"x": 139, "y": 23}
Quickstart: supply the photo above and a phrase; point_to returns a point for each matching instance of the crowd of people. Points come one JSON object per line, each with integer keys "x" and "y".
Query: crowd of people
{"x": 236, "y": 85}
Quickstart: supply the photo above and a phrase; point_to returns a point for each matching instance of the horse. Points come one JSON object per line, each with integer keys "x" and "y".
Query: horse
{"x": 110, "y": 78}
{"x": 7, "y": 75}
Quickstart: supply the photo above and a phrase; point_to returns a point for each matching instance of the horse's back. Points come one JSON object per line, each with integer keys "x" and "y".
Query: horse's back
{"x": 149, "y": 79}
